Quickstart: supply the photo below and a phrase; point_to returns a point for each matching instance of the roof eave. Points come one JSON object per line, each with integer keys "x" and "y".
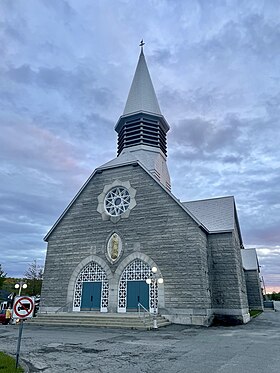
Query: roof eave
{"x": 237, "y": 224}
{"x": 69, "y": 205}
{"x": 159, "y": 116}
{"x": 221, "y": 231}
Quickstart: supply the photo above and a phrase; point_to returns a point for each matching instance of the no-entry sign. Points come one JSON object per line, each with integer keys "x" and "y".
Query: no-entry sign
{"x": 23, "y": 307}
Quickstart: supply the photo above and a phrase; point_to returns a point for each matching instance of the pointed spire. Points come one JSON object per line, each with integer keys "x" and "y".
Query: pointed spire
{"x": 142, "y": 95}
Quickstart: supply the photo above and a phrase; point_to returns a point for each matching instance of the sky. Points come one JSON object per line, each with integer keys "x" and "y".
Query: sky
{"x": 65, "y": 71}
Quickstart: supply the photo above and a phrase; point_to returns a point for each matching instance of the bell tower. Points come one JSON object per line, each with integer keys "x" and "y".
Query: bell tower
{"x": 142, "y": 128}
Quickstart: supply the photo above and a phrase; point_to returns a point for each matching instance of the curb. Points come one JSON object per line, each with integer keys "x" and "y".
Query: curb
{"x": 22, "y": 363}
{"x": 24, "y": 366}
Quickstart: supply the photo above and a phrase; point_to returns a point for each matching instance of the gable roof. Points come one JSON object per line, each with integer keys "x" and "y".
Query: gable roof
{"x": 110, "y": 165}
{"x": 217, "y": 214}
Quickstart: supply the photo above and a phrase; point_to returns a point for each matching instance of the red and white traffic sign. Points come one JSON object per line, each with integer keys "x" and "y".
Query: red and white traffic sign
{"x": 23, "y": 307}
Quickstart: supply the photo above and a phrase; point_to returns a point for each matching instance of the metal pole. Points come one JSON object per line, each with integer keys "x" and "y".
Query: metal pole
{"x": 155, "y": 319}
{"x": 265, "y": 295}
{"x": 19, "y": 340}
{"x": 155, "y": 305}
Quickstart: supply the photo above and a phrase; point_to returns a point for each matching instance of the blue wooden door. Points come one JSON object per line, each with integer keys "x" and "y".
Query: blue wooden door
{"x": 91, "y": 296}
{"x": 137, "y": 292}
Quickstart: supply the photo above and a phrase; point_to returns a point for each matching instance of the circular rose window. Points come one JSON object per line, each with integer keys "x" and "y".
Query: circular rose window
{"x": 117, "y": 201}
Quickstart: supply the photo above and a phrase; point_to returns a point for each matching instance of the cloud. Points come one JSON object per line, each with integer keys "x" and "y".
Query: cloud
{"x": 269, "y": 260}
{"x": 29, "y": 144}
{"x": 65, "y": 75}
{"x": 233, "y": 156}
{"x": 207, "y": 136}
{"x": 212, "y": 141}
{"x": 161, "y": 56}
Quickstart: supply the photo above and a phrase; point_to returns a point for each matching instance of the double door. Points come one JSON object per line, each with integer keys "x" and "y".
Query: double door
{"x": 91, "y": 296}
{"x": 137, "y": 292}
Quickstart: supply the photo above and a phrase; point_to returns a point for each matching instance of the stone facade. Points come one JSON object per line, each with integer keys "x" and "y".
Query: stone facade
{"x": 157, "y": 227}
{"x": 202, "y": 273}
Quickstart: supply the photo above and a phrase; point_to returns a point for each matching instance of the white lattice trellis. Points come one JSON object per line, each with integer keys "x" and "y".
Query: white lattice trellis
{"x": 92, "y": 272}
{"x": 136, "y": 271}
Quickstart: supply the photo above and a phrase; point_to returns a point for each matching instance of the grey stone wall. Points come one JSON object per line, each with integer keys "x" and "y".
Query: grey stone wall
{"x": 239, "y": 268}
{"x": 225, "y": 290}
{"x": 253, "y": 284}
{"x": 228, "y": 286}
{"x": 157, "y": 227}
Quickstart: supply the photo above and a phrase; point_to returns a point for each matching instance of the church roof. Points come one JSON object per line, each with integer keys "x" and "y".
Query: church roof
{"x": 250, "y": 259}
{"x": 216, "y": 214}
{"x": 150, "y": 157}
{"x": 142, "y": 95}
{"x": 144, "y": 154}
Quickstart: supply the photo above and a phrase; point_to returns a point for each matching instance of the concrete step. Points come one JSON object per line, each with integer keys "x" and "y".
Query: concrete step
{"x": 95, "y": 322}
{"x": 131, "y": 321}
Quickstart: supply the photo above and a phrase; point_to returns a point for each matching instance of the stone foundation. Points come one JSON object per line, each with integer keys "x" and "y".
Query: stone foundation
{"x": 231, "y": 316}
{"x": 202, "y": 317}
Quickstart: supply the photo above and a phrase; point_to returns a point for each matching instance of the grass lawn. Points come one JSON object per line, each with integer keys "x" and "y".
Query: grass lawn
{"x": 255, "y": 313}
{"x": 8, "y": 364}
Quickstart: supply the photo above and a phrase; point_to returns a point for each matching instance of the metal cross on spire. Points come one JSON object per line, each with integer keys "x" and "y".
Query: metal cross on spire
{"x": 141, "y": 45}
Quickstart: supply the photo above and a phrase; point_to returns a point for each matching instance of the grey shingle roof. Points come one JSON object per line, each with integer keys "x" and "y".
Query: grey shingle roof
{"x": 142, "y": 95}
{"x": 151, "y": 158}
{"x": 250, "y": 259}
{"x": 216, "y": 214}
{"x": 146, "y": 155}
{"x": 120, "y": 160}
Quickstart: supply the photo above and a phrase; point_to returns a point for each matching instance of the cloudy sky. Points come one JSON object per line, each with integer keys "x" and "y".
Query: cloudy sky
{"x": 65, "y": 70}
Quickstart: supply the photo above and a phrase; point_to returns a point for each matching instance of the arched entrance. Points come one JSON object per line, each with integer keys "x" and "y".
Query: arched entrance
{"x": 91, "y": 289}
{"x": 133, "y": 288}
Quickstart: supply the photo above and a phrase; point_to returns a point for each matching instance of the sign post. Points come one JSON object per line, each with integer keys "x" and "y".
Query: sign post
{"x": 19, "y": 340}
{"x": 23, "y": 309}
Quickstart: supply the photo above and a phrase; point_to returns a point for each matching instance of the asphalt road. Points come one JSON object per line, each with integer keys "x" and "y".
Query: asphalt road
{"x": 251, "y": 348}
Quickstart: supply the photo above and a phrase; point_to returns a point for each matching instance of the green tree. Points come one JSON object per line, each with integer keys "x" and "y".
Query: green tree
{"x": 34, "y": 277}
{"x": 275, "y": 296}
{"x": 2, "y": 276}
{"x": 9, "y": 284}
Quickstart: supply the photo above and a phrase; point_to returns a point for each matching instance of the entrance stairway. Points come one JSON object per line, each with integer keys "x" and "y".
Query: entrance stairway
{"x": 91, "y": 319}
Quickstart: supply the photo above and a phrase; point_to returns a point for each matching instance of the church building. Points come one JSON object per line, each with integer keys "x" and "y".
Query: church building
{"x": 125, "y": 241}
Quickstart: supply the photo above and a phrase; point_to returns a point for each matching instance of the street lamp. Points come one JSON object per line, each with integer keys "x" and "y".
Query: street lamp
{"x": 153, "y": 281}
{"x": 20, "y": 285}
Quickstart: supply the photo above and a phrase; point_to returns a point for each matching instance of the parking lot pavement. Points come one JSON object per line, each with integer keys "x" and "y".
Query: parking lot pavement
{"x": 251, "y": 348}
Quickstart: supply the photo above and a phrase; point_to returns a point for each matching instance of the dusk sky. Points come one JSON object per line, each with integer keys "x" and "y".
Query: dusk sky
{"x": 65, "y": 71}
